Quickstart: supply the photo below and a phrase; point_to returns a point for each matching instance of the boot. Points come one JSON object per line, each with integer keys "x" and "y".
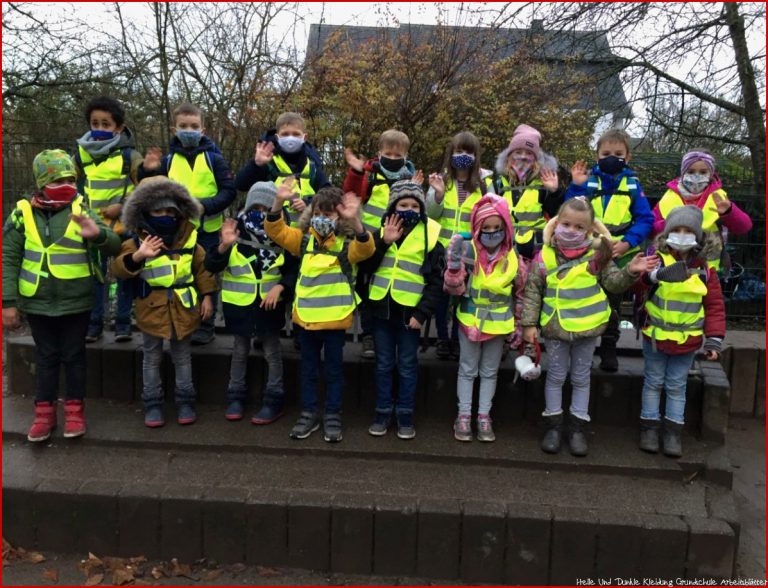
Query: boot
{"x": 608, "y": 360}
{"x": 649, "y": 435}
{"x": 671, "y": 438}
{"x": 577, "y": 440}
{"x": 74, "y": 418}
{"x": 553, "y": 438}
{"x": 44, "y": 423}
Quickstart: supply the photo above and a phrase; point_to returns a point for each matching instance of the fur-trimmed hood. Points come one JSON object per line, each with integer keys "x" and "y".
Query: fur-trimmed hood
{"x": 711, "y": 248}
{"x": 151, "y": 189}
{"x": 549, "y": 230}
{"x": 544, "y": 161}
{"x": 344, "y": 227}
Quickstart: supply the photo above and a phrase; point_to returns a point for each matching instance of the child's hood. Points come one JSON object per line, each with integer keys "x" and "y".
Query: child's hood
{"x": 158, "y": 187}
{"x": 545, "y": 161}
{"x": 501, "y": 208}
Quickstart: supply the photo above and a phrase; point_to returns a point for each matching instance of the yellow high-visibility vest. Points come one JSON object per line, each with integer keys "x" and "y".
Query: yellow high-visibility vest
{"x": 201, "y": 184}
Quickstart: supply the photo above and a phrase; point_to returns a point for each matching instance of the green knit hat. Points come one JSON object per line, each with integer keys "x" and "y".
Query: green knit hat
{"x": 51, "y": 165}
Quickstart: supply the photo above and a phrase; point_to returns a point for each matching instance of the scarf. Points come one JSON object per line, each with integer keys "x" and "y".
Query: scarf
{"x": 264, "y": 248}
{"x": 404, "y": 173}
{"x": 98, "y": 148}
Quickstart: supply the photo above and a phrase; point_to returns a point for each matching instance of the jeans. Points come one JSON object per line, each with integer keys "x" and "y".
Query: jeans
{"x": 444, "y": 306}
{"x": 124, "y": 299}
{"x": 59, "y": 339}
{"x": 273, "y": 354}
{"x": 152, "y": 394}
{"x": 311, "y": 344}
{"x": 395, "y": 344}
{"x": 478, "y": 358}
{"x": 207, "y": 241}
{"x": 564, "y": 357}
{"x": 669, "y": 372}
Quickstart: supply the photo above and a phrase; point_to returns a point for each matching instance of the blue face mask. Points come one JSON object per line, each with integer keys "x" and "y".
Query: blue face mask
{"x": 189, "y": 138}
{"x": 462, "y": 160}
{"x": 410, "y": 218}
{"x": 492, "y": 239}
{"x": 323, "y": 225}
{"x": 102, "y": 135}
{"x": 290, "y": 144}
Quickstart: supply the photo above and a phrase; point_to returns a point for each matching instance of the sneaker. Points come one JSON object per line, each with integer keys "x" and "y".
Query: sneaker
{"x": 462, "y": 428}
{"x": 153, "y": 417}
{"x": 484, "y": 428}
{"x": 443, "y": 349}
{"x": 94, "y": 333}
{"x": 44, "y": 422}
{"x": 234, "y": 411}
{"x": 123, "y": 333}
{"x": 380, "y": 424}
{"x": 74, "y": 418}
{"x": 307, "y": 424}
{"x": 186, "y": 414}
{"x": 332, "y": 427}
{"x": 267, "y": 414}
{"x": 202, "y": 336}
{"x": 369, "y": 350}
{"x": 405, "y": 428}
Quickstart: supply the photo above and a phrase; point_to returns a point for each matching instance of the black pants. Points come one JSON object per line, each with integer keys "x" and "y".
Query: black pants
{"x": 59, "y": 339}
{"x": 612, "y": 330}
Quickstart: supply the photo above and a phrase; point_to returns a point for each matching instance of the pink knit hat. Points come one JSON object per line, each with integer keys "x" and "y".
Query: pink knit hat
{"x": 525, "y": 137}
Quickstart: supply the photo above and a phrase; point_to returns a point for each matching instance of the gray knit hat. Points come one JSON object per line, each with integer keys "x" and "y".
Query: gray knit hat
{"x": 262, "y": 193}
{"x": 405, "y": 189}
{"x": 688, "y": 216}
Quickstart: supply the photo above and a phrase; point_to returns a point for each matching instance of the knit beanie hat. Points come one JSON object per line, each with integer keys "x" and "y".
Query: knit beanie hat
{"x": 405, "y": 189}
{"x": 51, "y": 165}
{"x": 688, "y": 216}
{"x": 262, "y": 193}
{"x": 692, "y": 157}
{"x": 525, "y": 137}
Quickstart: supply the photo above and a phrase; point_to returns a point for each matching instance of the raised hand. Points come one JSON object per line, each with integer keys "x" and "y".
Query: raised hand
{"x": 454, "y": 252}
{"x": 269, "y": 302}
{"x": 437, "y": 183}
{"x": 263, "y": 153}
{"x": 88, "y": 227}
{"x": 286, "y": 190}
{"x": 722, "y": 204}
{"x": 148, "y": 249}
{"x": 357, "y": 163}
{"x": 349, "y": 207}
{"x": 393, "y": 229}
{"x": 229, "y": 234}
{"x": 298, "y": 204}
{"x": 11, "y": 318}
{"x": 419, "y": 177}
{"x": 641, "y": 264}
{"x": 152, "y": 158}
{"x": 206, "y": 307}
{"x": 548, "y": 177}
{"x": 579, "y": 173}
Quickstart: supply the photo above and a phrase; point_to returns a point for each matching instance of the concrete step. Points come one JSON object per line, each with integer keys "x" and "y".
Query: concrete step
{"x": 114, "y": 372}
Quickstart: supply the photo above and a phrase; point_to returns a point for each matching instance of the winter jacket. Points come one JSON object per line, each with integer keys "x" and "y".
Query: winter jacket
{"x": 126, "y": 141}
{"x": 357, "y": 182}
{"x": 642, "y": 217}
{"x": 54, "y": 297}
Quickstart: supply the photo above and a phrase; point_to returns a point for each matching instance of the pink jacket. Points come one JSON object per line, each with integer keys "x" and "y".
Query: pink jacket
{"x": 735, "y": 220}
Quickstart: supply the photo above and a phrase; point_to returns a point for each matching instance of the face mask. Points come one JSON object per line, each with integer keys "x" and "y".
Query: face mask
{"x": 462, "y": 160}
{"x": 290, "y": 144}
{"x": 695, "y": 183}
{"x": 681, "y": 241}
{"x": 492, "y": 239}
{"x": 61, "y": 193}
{"x": 164, "y": 227}
{"x": 392, "y": 165}
{"x": 189, "y": 138}
{"x": 323, "y": 225}
{"x": 254, "y": 221}
{"x": 410, "y": 218}
{"x": 611, "y": 164}
{"x": 570, "y": 238}
{"x": 521, "y": 165}
{"x": 102, "y": 135}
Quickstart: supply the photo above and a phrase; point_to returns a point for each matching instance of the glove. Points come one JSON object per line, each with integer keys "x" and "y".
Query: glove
{"x": 713, "y": 344}
{"x": 676, "y": 272}
{"x": 454, "y": 251}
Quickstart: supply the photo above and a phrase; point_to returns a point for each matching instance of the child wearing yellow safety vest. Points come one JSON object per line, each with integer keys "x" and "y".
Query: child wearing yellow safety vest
{"x": 174, "y": 289}
{"x": 330, "y": 241}
{"x": 48, "y": 274}
{"x": 110, "y": 165}
{"x": 564, "y": 297}
{"x": 489, "y": 288}
{"x": 196, "y": 163}
{"x": 257, "y": 277}
{"x": 620, "y": 204}
{"x": 684, "y": 308}
{"x": 403, "y": 291}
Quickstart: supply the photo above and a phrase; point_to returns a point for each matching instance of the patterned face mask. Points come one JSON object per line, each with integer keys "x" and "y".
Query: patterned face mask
{"x": 695, "y": 183}
{"x": 521, "y": 165}
{"x": 323, "y": 225}
{"x": 462, "y": 160}
{"x": 410, "y": 218}
{"x": 492, "y": 239}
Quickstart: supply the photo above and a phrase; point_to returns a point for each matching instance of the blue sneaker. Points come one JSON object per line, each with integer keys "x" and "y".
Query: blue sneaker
{"x": 234, "y": 411}
{"x": 123, "y": 333}
{"x": 186, "y": 414}
{"x": 380, "y": 424}
{"x": 153, "y": 417}
{"x": 267, "y": 414}
{"x": 405, "y": 428}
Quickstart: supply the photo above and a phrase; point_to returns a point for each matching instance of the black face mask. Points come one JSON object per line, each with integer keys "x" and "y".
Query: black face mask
{"x": 164, "y": 227}
{"x": 391, "y": 165}
{"x": 611, "y": 164}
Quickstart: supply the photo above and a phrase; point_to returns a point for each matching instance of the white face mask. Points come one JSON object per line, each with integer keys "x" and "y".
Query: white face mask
{"x": 695, "y": 183}
{"x": 681, "y": 241}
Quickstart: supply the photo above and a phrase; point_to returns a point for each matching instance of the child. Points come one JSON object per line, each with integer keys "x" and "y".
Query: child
{"x": 48, "y": 275}
{"x": 700, "y": 185}
{"x": 284, "y": 153}
{"x": 619, "y": 202}
{"x": 108, "y": 162}
{"x": 258, "y": 278}
{"x": 564, "y": 294}
{"x": 196, "y": 163}
{"x": 527, "y": 178}
{"x": 330, "y": 241}
{"x": 450, "y": 199}
{"x": 168, "y": 262}
{"x": 684, "y": 306}
{"x": 487, "y": 308}
{"x": 405, "y": 286}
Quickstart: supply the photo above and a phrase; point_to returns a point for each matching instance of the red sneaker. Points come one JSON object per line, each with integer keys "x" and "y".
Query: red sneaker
{"x": 74, "y": 418}
{"x": 44, "y": 423}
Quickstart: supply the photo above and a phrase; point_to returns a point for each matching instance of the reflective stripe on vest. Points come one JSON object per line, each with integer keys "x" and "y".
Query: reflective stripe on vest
{"x": 165, "y": 272}
{"x": 239, "y": 284}
{"x": 399, "y": 272}
{"x": 454, "y": 218}
{"x": 527, "y": 213}
{"x": 490, "y": 307}
{"x": 303, "y": 182}
{"x": 66, "y": 258}
{"x": 323, "y": 292}
{"x": 617, "y": 218}
{"x": 200, "y": 182}
{"x": 577, "y": 298}
{"x": 676, "y": 309}
{"x": 105, "y": 183}
{"x": 375, "y": 207}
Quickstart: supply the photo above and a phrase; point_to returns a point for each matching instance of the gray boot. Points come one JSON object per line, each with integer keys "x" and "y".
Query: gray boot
{"x": 553, "y": 438}
{"x": 649, "y": 435}
{"x": 672, "y": 438}
{"x": 577, "y": 440}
